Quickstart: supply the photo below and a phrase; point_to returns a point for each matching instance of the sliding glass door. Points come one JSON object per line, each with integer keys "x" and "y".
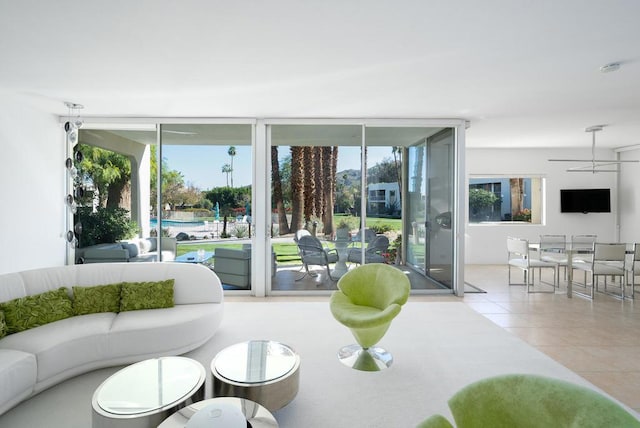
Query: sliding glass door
{"x": 238, "y": 195}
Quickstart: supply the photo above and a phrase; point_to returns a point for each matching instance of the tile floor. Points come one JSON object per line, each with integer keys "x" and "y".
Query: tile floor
{"x": 599, "y": 339}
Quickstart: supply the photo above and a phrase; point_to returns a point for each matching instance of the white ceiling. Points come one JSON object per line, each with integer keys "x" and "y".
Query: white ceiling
{"x": 525, "y": 73}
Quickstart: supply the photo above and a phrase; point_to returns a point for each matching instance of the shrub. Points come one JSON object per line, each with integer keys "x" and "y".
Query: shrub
{"x": 381, "y": 227}
{"x": 105, "y": 225}
{"x": 241, "y": 231}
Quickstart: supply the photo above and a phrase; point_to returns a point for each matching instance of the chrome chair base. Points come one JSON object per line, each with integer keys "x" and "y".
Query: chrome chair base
{"x": 370, "y": 360}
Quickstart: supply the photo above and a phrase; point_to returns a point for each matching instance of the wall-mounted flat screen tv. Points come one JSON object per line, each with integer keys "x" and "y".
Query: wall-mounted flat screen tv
{"x": 585, "y": 200}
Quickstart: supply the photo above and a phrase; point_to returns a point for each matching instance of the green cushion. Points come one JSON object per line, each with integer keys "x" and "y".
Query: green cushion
{"x": 535, "y": 401}
{"x": 33, "y": 311}
{"x": 100, "y": 298}
{"x": 146, "y": 295}
{"x": 3, "y": 325}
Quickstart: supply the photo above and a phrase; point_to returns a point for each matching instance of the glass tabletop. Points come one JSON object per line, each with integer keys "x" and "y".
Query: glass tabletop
{"x": 255, "y": 361}
{"x": 150, "y": 385}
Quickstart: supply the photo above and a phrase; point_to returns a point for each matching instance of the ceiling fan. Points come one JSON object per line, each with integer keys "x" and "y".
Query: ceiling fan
{"x": 594, "y": 165}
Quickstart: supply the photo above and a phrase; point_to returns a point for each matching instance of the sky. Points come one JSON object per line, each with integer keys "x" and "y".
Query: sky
{"x": 201, "y": 166}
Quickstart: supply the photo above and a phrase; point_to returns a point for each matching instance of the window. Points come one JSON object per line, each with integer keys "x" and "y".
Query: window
{"x": 505, "y": 199}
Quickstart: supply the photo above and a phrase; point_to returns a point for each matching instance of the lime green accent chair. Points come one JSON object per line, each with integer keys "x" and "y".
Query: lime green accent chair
{"x": 531, "y": 401}
{"x": 368, "y": 298}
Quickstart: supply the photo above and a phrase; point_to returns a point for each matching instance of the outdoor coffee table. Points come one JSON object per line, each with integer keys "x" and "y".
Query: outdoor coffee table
{"x": 263, "y": 371}
{"x": 145, "y": 393}
{"x": 255, "y": 414}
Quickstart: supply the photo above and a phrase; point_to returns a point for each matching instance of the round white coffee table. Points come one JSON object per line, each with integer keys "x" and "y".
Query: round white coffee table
{"x": 256, "y": 415}
{"x": 145, "y": 393}
{"x": 263, "y": 371}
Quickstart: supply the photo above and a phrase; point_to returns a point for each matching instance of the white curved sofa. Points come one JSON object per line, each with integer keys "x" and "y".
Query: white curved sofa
{"x": 36, "y": 359}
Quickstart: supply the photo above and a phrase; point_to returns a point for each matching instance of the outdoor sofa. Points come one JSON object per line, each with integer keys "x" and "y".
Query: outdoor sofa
{"x": 39, "y": 357}
{"x": 130, "y": 250}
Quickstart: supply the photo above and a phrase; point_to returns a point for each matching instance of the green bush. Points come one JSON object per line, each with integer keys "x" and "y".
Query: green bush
{"x": 242, "y": 231}
{"x": 106, "y": 225}
{"x": 380, "y": 228}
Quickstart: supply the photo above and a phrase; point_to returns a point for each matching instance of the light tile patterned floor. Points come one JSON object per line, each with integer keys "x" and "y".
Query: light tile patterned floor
{"x": 599, "y": 339}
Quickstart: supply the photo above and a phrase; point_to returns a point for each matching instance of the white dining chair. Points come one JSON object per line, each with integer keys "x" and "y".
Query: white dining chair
{"x": 608, "y": 260}
{"x": 633, "y": 269}
{"x": 582, "y": 252}
{"x": 518, "y": 256}
{"x": 553, "y": 249}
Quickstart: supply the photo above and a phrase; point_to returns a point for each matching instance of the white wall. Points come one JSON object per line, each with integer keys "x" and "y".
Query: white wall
{"x": 486, "y": 244}
{"x": 629, "y": 197}
{"x": 32, "y": 218}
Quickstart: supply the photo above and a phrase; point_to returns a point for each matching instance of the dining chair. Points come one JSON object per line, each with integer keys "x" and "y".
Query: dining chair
{"x": 518, "y": 256}
{"x": 582, "y": 252}
{"x": 553, "y": 250}
{"x": 608, "y": 260}
{"x": 633, "y": 268}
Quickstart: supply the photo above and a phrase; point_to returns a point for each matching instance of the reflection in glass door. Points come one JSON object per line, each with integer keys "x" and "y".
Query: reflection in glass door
{"x": 439, "y": 208}
{"x": 430, "y": 210}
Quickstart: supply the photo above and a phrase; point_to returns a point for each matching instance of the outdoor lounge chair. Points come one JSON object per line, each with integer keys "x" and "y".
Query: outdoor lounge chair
{"x": 313, "y": 253}
{"x": 374, "y": 253}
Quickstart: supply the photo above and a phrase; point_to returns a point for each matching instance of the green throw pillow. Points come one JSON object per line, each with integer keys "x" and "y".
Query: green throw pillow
{"x": 33, "y": 311}
{"x": 3, "y": 325}
{"x": 100, "y": 298}
{"x": 146, "y": 295}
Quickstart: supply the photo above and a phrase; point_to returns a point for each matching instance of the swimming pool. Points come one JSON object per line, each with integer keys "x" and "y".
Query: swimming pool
{"x": 175, "y": 223}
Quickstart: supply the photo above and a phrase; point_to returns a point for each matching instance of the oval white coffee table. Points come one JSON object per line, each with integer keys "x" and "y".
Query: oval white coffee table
{"x": 256, "y": 415}
{"x": 263, "y": 371}
{"x": 145, "y": 393}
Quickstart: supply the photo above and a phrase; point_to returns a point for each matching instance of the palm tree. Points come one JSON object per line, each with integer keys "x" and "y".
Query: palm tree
{"x": 319, "y": 179}
{"x": 277, "y": 191}
{"x": 329, "y": 188}
{"x": 232, "y": 153}
{"x": 309, "y": 184}
{"x": 297, "y": 187}
{"x": 227, "y": 169}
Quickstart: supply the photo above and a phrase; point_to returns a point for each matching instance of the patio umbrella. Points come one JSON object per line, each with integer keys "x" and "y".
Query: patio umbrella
{"x": 217, "y": 211}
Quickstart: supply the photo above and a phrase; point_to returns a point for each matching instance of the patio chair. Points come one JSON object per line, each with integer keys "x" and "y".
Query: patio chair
{"x": 374, "y": 253}
{"x": 313, "y": 253}
{"x": 369, "y": 235}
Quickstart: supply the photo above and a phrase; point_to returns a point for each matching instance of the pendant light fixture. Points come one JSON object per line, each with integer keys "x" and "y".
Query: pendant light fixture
{"x": 594, "y": 165}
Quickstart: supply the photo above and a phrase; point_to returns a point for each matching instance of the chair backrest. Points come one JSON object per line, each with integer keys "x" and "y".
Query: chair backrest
{"x": 300, "y": 233}
{"x": 380, "y": 244}
{"x": 518, "y": 247}
{"x": 376, "y": 284}
{"x": 583, "y": 242}
{"x": 310, "y": 244}
{"x": 609, "y": 252}
{"x": 557, "y": 243}
{"x": 369, "y": 235}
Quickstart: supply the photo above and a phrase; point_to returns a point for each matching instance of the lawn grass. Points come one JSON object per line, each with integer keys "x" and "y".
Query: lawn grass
{"x": 286, "y": 252}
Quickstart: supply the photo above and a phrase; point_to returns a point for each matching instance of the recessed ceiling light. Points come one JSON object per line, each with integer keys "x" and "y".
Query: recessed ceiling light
{"x": 612, "y": 66}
